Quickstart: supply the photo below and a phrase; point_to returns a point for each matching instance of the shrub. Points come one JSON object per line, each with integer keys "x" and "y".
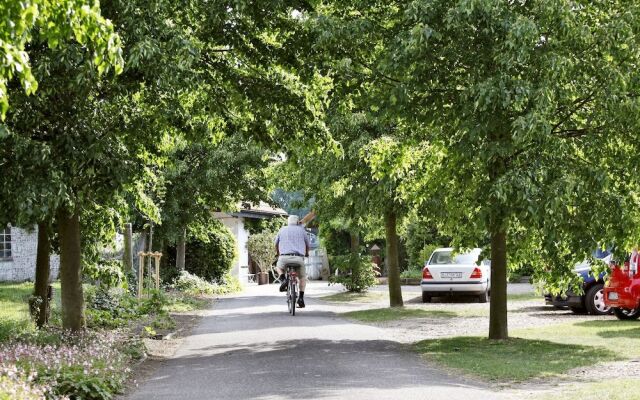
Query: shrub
{"x": 261, "y": 249}
{"x": 210, "y": 258}
{"x": 412, "y": 273}
{"x": 111, "y": 308}
{"x": 196, "y": 286}
{"x": 361, "y": 273}
{"x": 107, "y": 273}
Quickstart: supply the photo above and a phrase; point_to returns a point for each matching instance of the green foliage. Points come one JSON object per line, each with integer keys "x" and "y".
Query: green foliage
{"x": 421, "y": 237}
{"x": 107, "y": 273}
{"x": 357, "y": 273}
{"x": 335, "y": 241}
{"x": 262, "y": 249}
{"x": 196, "y": 286}
{"x": 209, "y": 256}
{"x": 75, "y": 380}
{"x": 110, "y": 308}
{"x": 412, "y": 273}
{"x": 56, "y": 22}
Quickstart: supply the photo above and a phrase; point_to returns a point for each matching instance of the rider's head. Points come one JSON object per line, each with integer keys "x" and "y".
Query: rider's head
{"x": 292, "y": 220}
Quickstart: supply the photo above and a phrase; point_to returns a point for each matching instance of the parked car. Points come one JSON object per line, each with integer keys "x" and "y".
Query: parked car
{"x": 446, "y": 274}
{"x": 592, "y": 298}
{"x": 622, "y": 291}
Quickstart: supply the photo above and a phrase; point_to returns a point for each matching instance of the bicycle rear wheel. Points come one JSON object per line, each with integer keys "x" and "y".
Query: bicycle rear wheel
{"x": 293, "y": 288}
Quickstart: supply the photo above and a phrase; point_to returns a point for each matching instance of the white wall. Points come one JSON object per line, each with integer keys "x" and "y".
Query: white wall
{"x": 236, "y": 226}
{"x": 22, "y": 266}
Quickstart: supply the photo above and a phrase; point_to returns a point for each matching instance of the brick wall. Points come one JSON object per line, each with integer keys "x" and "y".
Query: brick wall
{"x": 22, "y": 265}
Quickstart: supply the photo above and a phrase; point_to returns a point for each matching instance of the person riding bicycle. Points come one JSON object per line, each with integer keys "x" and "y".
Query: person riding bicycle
{"x": 292, "y": 245}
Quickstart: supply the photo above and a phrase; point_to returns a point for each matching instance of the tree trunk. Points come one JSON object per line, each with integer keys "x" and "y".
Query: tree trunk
{"x": 43, "y": 270}
{"x": 393, "y": 263}
{"x": 127, "y": 257}
{"x": 498, "y": 307}
{"x": 181, "y": 250}
{"x": 70, "y": 271}
{"x": 354, "y": 242}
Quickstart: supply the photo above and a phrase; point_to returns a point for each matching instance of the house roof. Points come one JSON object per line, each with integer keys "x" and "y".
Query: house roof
{"x": 261, "y": 210}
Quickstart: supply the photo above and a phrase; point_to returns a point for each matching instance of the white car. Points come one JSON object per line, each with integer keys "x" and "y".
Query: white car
{"x": 445, "y": 274}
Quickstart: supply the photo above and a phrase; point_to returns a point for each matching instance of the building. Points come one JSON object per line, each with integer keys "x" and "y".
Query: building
{"x": 235, "y": 221}
{"x": 18, "y": 249}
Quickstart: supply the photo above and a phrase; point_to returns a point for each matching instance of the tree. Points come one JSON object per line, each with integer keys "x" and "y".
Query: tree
{"x": 52, "y": 22}
{"x": 88, "y": 142}
{"x": 530, "y": 112}
{"x": 534, "y": 104}
{"x": 204, "y": 177}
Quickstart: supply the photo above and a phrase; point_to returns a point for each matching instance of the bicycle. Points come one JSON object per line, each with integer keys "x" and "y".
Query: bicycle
{"x": 292, "y": 287}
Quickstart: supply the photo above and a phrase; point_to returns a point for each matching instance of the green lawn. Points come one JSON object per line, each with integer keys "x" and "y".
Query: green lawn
{"x": 525, "y": 297}
{"x": 619, "y": 337}
{"x": 14, "y": 309}
{"x": 366, "y": 297}
{"x": 511, "y": 360}
{"x": 389, "y": 314}
{"x": 616, "y": 389}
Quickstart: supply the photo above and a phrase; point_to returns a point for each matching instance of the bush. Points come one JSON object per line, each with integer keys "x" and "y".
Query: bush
{"x": 195, "y": 286}
{"x": 412, "y": 273}
{"x": 108, "y": 273}
{"x": 361, "y": 273}
{"x": 209, "y": 259}
{"x": 261, "y": 249}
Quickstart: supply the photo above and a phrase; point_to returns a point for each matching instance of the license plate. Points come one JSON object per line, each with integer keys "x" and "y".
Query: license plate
{"x": 451, "y": 274}
{"x": 613, "y": 296}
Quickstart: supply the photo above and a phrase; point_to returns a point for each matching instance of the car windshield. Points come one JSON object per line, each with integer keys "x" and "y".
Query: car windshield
{"x": 444, "y": 257}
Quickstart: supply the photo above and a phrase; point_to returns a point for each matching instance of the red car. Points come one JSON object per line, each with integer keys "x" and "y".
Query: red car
{"x": 622, "y": 292}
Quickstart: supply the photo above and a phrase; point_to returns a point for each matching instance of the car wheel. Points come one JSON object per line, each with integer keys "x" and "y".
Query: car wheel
{"x": 595, "y": 300}
{"x": 426, "y": 298}
{"x": 483, "y": 298}
{"x": 626, "y": 314}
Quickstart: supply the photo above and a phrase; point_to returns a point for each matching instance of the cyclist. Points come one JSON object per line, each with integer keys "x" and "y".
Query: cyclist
{"x": 292, "y": 245}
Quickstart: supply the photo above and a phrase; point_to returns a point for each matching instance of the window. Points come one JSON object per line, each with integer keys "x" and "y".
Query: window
{"x": 5, "y": 243}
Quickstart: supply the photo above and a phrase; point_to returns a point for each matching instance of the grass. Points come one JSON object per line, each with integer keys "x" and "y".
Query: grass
{"x": 619, "y": 337}
{"x": 366, "y": 297}
{"x": 179, "y": 302}
{"x": 514, "y": 359}
{"x": 389, "y": 314}
{"x": 524, "y": 297}
{"x": 14, "y": 309}
{"x": 616, "y": 389}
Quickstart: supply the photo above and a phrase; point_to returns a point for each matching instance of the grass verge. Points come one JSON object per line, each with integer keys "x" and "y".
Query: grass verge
{"x": 514, "y": 359}
{"x": 524, "y": 297}
{"x": 616, "y": 389}
{"x": 390, "y": 314}
{"x": 366, "y": 297}
{"x": 619, "y": 337}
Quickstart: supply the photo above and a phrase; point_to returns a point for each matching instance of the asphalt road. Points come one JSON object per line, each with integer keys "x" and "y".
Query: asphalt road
{"x": 248, "y": 347}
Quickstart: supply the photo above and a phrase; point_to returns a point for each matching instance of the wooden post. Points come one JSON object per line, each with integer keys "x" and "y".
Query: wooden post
{"x": 140, "y": 274}
{"x": 157, "y": 257}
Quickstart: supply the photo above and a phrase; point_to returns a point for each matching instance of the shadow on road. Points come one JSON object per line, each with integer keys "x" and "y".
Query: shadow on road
{"x": 297, "y": 369}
